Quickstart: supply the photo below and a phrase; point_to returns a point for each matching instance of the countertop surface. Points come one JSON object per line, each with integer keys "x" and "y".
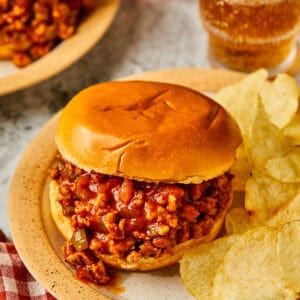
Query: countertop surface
{"x": 145, "y": 35}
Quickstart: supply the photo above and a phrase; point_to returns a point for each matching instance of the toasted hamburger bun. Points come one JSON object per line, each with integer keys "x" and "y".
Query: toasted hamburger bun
{"x": 146, "y": 131}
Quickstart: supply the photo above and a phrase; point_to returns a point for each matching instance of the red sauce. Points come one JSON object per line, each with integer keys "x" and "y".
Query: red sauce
{"x": 131, "y": 219}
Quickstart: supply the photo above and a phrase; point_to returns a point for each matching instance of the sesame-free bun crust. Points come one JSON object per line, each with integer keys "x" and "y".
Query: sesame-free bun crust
{"x": 145, "y": 263}
{"x": 148, "y": 131}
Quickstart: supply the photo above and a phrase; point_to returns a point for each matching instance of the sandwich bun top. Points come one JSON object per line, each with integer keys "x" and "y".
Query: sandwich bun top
{"x": 148, "y": 131}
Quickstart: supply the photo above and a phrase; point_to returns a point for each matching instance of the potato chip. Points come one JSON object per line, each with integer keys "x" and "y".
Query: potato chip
{"x": 237, "y": 221}
{"x": 268, "y": 168}
{"x": 240, "y": 169}
{"x": 292, "y": 130}
{"x": 280, "y": 99}
{"x": 250, "y": 269}
{"x": 265, "y": 140}
{"x": 264, "y": 196}
{"x": 288, "y": 213}
{"x": 289, "y": 253}
{"x": 241, "y": 104}
{"x": 285, "y": 168}
{"x": 270, "y": 153}
{"x": 199, "y": 265}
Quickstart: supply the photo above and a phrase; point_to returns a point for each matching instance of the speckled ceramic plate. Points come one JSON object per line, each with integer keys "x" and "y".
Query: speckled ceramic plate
{"x": 36, "y": 237}
{"x": 88, "y": 33}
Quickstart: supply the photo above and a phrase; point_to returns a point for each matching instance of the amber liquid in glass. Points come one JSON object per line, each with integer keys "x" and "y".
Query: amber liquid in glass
{"x": 250, "y": 34}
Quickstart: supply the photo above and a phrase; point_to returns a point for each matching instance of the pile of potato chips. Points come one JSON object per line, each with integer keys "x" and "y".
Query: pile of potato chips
{"x": 259, "y": 256}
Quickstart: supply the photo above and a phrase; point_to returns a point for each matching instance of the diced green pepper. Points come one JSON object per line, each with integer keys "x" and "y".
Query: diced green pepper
{"x": 79, "y": 240}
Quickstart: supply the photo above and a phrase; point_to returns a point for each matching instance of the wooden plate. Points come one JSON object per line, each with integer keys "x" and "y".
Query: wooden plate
{"x": 36, "y": 237}
{"x": 62, "y": 56}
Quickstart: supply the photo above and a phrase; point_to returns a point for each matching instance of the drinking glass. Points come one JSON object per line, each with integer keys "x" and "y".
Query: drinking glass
{"x": 249, "y": 34}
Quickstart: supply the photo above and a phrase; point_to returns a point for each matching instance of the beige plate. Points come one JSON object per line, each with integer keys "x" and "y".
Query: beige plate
{"x": 66, "y": 53}
{"x": 35, "y": 235}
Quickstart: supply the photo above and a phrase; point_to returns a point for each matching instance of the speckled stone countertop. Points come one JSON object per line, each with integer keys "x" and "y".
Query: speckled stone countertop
{"x": 145, "y": 35}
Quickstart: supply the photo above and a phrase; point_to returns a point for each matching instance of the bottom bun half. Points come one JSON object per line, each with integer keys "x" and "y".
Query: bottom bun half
{"x": 63, "y": 224}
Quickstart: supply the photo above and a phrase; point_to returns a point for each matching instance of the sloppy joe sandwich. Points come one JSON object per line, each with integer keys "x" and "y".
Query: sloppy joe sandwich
{"x": 141, "y": 175}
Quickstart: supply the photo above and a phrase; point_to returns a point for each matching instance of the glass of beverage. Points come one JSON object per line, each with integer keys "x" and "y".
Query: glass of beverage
{"x": 249, "y": 34}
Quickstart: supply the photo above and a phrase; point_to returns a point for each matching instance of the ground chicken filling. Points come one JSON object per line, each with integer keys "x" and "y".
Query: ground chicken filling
{"x": 131, "y": 219}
